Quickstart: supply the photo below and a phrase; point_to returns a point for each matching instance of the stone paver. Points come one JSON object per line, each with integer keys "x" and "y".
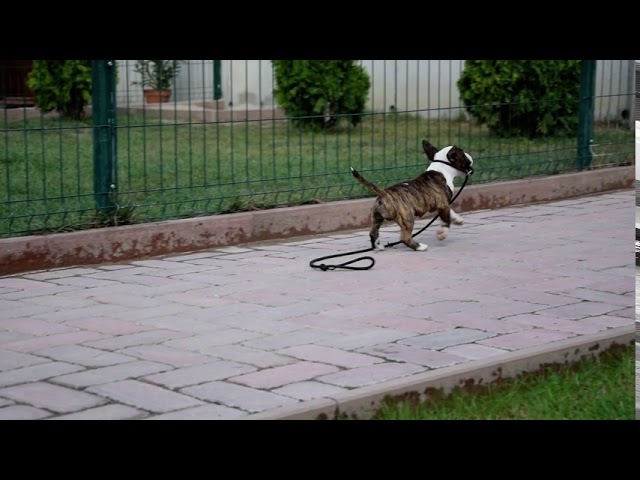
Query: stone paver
{"x": 440, "y": 340}
{"x": 105, "y": 412}
{"x": 167, "y": 355}
{"x": 33, "y": 344}
{"x": 238, "y": 396}
{"x": 333, "y": 356}
{"x": 415, "y": 355}
{"x": 34, "y": 373}
{"x": 526, "y": 339}
{"x": 359, "y": 377}
{"x": 110, "y": 374}
{"x": 85, "y": 356}
{"x": 22, "y": 412}
{"x": 224, "y": 333}
{"x": 183, "y": 377}
{"x": 309, "y": 390}
{"x": 10, "y": 360}
{"x": 204, "y": 412}
{"x": 51, "y": 397}
{"x": 144, "y": 396}
{"x": 278, "y": 376}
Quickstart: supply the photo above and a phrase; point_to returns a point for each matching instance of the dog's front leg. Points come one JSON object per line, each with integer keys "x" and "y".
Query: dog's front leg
{"x": 445, "y": 217}
{"x": 455, "y": 218}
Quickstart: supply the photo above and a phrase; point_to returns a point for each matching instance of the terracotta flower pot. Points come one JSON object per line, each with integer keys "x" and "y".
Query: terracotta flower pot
{"x": 157, "y": 96}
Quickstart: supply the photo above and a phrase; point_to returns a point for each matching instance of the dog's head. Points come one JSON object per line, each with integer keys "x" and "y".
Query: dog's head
{"x": 453, "y": 155}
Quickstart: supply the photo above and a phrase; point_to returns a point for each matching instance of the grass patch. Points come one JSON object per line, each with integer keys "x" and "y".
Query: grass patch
{"x": 595, "y": 388}
{"x": 171, "y": 169}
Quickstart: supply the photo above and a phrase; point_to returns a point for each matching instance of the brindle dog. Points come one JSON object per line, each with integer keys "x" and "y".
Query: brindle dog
{"x": 429, "y": 192}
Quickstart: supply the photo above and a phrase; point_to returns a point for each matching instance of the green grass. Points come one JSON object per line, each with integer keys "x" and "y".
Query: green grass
{"x": 175, "y": 169}
{"x": 595, "y": 388}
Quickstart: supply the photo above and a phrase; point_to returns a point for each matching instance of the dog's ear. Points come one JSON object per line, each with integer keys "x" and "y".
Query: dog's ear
{"x": 429, "y": 149}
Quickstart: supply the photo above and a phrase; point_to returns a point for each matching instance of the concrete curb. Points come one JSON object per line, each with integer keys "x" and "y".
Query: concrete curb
{"x": 361, "y": 403}
{"x": 117, "y": 244}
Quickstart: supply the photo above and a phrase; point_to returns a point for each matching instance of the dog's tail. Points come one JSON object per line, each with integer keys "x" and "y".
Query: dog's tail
{"x": 367, "y": 183}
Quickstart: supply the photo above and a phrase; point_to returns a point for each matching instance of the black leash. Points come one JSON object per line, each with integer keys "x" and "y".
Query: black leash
{"x": 346, "y": 265}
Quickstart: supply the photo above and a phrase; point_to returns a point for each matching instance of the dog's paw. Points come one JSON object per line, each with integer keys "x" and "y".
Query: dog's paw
{"x": 457, "y": 221}
{"x": 422, "y": 247}
{"x": 442, "y": 233}
{"x": 378, "y": 247}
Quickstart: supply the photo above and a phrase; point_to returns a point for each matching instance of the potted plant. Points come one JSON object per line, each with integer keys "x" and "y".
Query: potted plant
{"x": 156, "y": 78}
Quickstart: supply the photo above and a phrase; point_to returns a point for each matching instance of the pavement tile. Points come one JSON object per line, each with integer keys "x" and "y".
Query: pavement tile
{"x": 526, "y": 339}
{"x": 473, "y": 351}
{"x": 194, "y": 375}
{"x": 476, "y": 322}
{"x": 22, "y": 412}
{"x": 278, "y": 376}
{"x": 144, "y": 396}
{"x": 414, "y": 355}
{"x": 309, "y": 390}
{"x": 329, "y": 355}
{"x": 290, "y": 339}
{"x": 203, "y": 412}
{"x": 447, "y": 338}
{"x": 21, "y": 310}
{"x": 362, "y": 376}
{"x": 35, "y": 373}
{"x": 404, "y": 323}
{"x": 111, "y": 326}
{"x": 38, "y": 343}
{"x": 105, "y": 412}
{"x": 11, "y": 360}
{"x": 34, "y": 326}
{"x": 555, "y": 323}
{"x": 51, "y": 397}
{"x": 226, "y": 336}
{"x": 250, "y": 356}
{"x": 372, "y": 337}
{"x": 110, "y": 374}
{"x": 166, "y": 355}
{"x": 237, "y": 396}
{"x": 580, "y": 310}
{"x": 132, "y": 339}
{"x": 85, "y": 356}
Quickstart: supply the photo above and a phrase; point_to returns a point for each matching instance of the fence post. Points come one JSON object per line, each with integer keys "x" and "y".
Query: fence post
{"x": 103, "y": 114}
{"x": 585, "y": 119}
{"x": 217, "y": 84}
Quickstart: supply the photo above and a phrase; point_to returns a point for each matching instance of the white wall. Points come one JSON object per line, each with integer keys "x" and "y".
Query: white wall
{"x": 428, "y": 86}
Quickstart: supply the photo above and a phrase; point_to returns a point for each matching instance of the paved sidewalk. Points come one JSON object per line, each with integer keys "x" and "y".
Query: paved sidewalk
{"x": 235, "y": 331}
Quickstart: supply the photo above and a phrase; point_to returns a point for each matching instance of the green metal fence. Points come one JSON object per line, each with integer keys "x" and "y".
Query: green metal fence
{"x": 221, "y": 144}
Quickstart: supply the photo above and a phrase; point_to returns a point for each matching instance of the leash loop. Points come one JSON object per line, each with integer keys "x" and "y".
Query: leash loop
{"x": 344, "y": 265}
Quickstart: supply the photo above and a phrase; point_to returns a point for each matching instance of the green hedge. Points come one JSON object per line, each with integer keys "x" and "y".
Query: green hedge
{"x": 530, "y": 98}
{"x": 316, "y": 93}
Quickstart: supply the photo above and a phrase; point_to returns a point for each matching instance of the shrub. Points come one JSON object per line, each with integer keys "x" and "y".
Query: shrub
{"x": 316, "y": 92}
{"x": 62, "y": 85}
{"x": 523, "y": 97}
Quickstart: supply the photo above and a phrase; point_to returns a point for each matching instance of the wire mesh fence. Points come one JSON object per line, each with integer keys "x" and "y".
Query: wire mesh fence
{"x": 221, "y": 143}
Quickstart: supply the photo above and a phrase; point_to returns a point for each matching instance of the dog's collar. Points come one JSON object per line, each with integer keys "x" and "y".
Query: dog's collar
{"x": 466, "y": 172}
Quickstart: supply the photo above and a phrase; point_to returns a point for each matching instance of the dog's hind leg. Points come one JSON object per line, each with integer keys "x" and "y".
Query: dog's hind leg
{"x": 406, "y": 227}
{"x": 374, "y": 233}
